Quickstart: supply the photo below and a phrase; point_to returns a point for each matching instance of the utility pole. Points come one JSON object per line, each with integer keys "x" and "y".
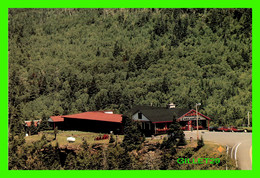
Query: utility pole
{"x": 197, "y": 104}
{"x": 248, "y": 123}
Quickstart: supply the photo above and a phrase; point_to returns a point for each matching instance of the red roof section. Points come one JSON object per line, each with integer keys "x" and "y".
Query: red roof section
{"x": 98, "y": 116}
{"x": 192, "y": 112}
{"x": 57, "y": 118}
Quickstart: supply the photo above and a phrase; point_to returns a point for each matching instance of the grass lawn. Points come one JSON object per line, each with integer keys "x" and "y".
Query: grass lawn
{"x": 90, "y": 138}
{"x": 63, "y": 135}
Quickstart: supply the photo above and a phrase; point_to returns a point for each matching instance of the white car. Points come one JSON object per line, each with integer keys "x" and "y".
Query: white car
{"x": 71, "y": 139}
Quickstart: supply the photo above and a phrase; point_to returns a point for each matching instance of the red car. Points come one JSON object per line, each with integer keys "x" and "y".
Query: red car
{"x": 235, "y": 129}
{"x": 224, "y": 129}
{"x": 199, "y": 127}
{"x": 193, "y": 127}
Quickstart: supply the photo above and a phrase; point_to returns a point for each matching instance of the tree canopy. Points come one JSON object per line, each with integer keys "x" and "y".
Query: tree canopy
{"x": 63, "y": 61}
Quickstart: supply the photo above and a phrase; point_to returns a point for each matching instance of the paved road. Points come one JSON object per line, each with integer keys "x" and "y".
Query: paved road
{"x": 240, "y": 145}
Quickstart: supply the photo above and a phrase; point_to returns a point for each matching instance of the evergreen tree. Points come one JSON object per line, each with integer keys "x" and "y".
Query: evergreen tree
{"x": 139, "y": 62}
{"x": 70, "y": 162}
{"x": 131, "y": 66}
{"x": 200, "y": 143}
{"x": 98, "y": 52}
{"x": 92, "y": 88}
{"x": 165, "y": 160}
{"x": 117, "y": 50}
{"x": 132, "y": 134}
{"x": 113, "y": 157}
{"x": 165, "y": 87}
{"x": 14, "y": 143}
{"x": 50, "y": 157}
{"x": 43, "y": 124}
{"x": 118, "y": 158}
{"x": 33, "y": 128}
{"x": 176, "y": 137}
{"x": 85, "y": 145}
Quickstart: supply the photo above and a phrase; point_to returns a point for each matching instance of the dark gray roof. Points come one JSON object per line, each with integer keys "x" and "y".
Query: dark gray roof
{"x": 159, "y": 114}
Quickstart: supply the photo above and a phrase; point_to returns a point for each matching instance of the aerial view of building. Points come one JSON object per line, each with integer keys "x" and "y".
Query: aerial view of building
{"x": 129, "y": 88}
{"x": 96, "y": 121}
{"x": 156, "y": 120}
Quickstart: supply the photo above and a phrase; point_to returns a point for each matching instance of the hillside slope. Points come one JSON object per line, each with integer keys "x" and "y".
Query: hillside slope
{"x": 64, "y": 61}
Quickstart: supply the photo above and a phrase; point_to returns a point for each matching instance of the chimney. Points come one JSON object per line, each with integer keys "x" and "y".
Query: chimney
{"x": 171, "y": 106}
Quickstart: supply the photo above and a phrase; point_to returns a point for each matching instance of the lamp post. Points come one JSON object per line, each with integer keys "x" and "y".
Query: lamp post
{"x": 197, "y": 104}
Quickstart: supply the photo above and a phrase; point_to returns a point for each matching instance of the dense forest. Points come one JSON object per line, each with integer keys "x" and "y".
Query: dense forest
{"x": 64, "y": 61}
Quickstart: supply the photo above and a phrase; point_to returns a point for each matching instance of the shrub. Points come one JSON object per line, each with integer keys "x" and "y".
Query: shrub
{"x": 200, "y": 143}
{"x": 111, "y": 140}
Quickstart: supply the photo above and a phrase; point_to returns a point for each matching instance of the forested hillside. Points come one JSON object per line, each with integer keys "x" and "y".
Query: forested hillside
{"x": 64, "y": 61}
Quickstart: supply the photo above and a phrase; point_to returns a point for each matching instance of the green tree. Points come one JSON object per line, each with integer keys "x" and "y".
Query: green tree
{"x": 33, "y": 128}
{"x": 85, "y": 145}
{"x": 132, "y": 134}
{"x": 43, "y": 124}
{"x": 165, "y": 161}
{"x": 176, "y": 137}
{"x": 200, "y": 143}
{"x": 117, "y": 49}
{"x": 70, "y": 162}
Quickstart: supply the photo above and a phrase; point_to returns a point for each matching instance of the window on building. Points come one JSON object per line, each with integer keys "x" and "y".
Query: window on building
{"x": 139, "y": 115}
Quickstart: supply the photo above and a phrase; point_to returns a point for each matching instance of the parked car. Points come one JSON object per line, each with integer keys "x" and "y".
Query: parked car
{"x": 213, "y": 128}
{"x": 224, "y": 129}
{"x": 235, "y": 129}
{"x": 199, "y": 127}
{"x": 193, "y": 127}
{"x": 245, "y": 129}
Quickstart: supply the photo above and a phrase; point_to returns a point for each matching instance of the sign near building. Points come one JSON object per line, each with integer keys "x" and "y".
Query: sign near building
{"x": 191, "y": 118}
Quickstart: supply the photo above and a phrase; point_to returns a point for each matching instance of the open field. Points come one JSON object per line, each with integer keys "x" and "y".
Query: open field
{"x": 63, "y": 135}
{"x": 90, "y": 138}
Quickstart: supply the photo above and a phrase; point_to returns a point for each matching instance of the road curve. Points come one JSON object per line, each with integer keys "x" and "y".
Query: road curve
{"x": 240, "y": 145}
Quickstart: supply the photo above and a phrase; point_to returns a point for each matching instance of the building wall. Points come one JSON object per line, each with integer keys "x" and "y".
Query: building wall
{"x": 60, "y": 125}
{"x": 92, "y": 125}
{"x": 144, "y": 119}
